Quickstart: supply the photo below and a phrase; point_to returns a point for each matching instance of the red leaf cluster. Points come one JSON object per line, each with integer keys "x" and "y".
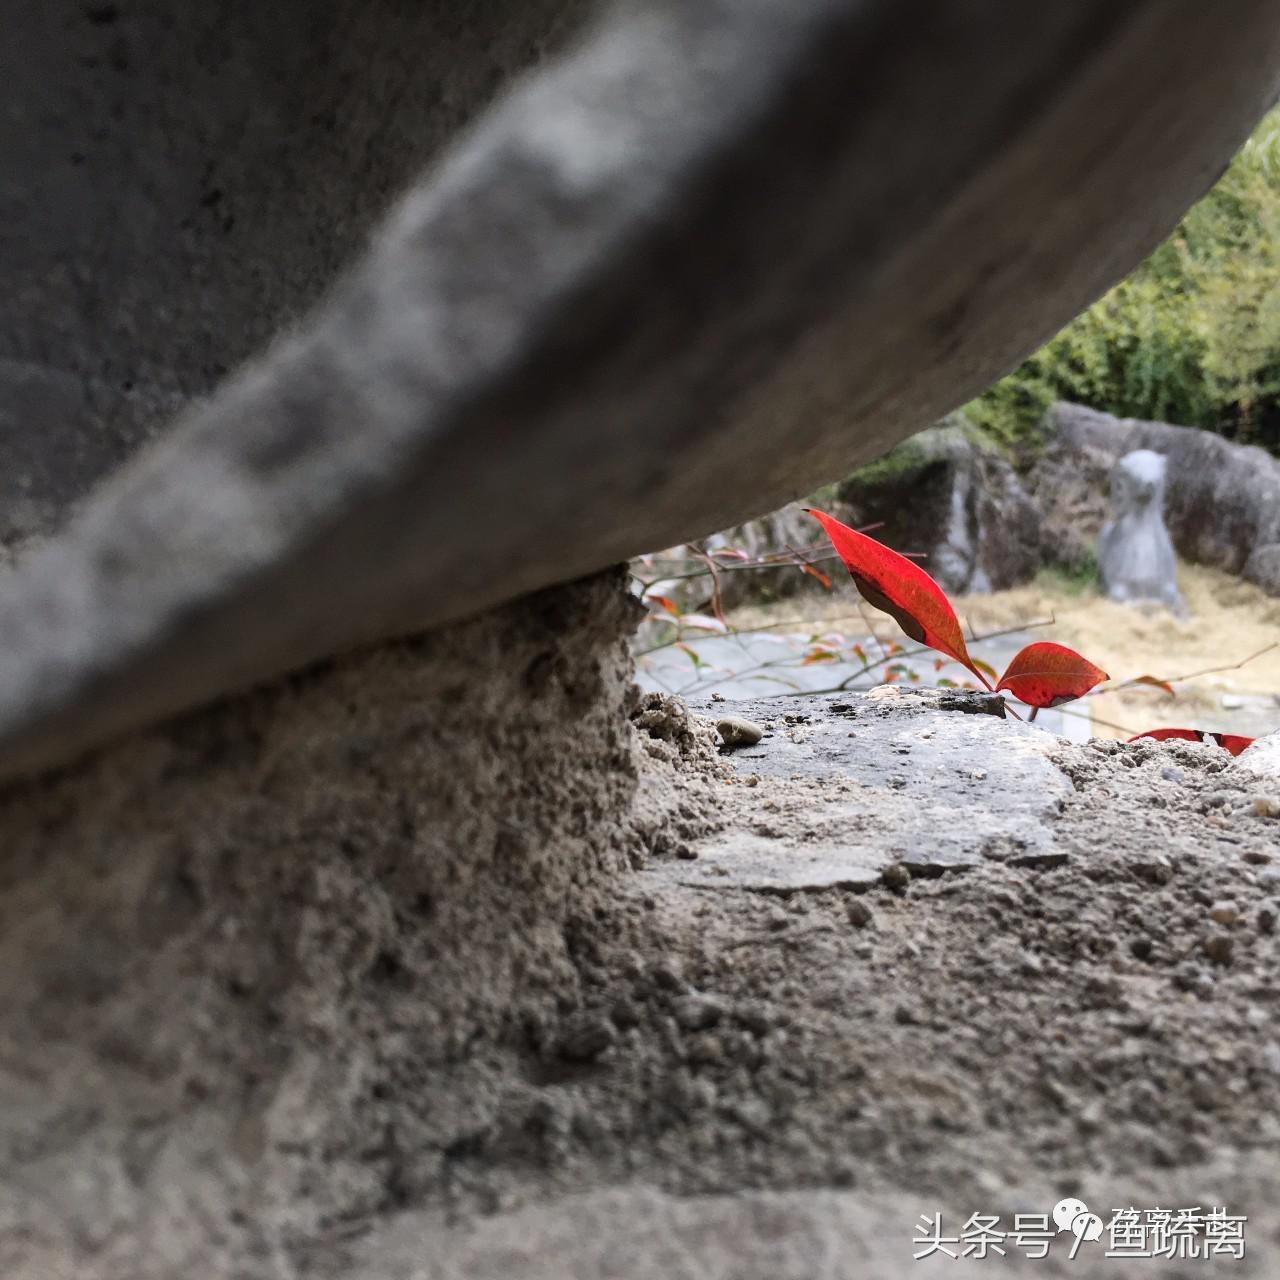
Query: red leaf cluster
{"x": 1042, "y": 674}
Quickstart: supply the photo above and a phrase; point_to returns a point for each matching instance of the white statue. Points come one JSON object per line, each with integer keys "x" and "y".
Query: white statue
{"x": 1135, "y": 556}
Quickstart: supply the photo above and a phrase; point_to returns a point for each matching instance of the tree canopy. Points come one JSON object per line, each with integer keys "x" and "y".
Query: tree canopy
{"x": 1192, "y": 336}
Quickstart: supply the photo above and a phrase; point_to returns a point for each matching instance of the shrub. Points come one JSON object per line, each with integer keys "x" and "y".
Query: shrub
{"x": 1192, "y": 336}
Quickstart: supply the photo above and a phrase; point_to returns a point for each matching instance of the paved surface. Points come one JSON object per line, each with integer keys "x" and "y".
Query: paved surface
{"x": 768, "y": 665}
{"x": 965, "y": 789}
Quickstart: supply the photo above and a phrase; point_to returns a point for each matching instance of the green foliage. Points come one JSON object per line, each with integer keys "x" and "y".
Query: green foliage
{"x": 901, "y": 461}
{"x": 1057, "y": 579}
{"x": 1192, "y": 336}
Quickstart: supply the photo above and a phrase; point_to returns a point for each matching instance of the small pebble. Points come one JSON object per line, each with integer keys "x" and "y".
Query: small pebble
{"x": 1267, "y": 806}
{"x": 755, "y": 1018}
{"x": 705, "y": 1047}
{"x": 737, "y": 731}
{"x": 1219, "y": 947}
{"x": 1224, "y": 913}
{"x": 696, "y": 1012}
{"x": 625, "y": 1015}
{"x": 1171, "y": 773}
{"x": 895, "y": 877}
{"x": 859, "y": 913}
{"x": 586, "y": 1038}
{"x": 1193, "y": 978}
{"x": 1156, "y": 868}
{"x": 1266, "y": 919}
{"x": 1258, "y": 857}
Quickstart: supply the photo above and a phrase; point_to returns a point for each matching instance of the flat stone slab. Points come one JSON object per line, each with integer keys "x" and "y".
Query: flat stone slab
{"x": 748, "y": 665}
{"x": 910, "y": 783}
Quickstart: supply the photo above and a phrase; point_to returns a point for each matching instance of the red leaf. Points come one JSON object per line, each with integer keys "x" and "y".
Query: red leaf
{"x": 1232, "y": 742}
{"x": 900, "y": 588}
{"x": 817, "y": 655}
{"x": 1044, "y": 674}
{"x": 814, "y": 572}
{"x": 667, "y": 603}
{"x": 1163, "y": 735}
{"x": 1154, "y": 681}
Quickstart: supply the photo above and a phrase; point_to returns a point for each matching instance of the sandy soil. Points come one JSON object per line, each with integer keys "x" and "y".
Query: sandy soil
{"x": 1229, "y": 620}
{"x": 979, "y": 1042}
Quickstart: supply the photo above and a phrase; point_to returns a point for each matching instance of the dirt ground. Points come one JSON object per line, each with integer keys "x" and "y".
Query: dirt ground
{"x": 988, "y": 1041}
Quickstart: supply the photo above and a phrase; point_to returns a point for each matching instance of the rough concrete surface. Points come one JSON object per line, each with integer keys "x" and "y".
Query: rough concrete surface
{"x": 1262, "y": 757}
{"x": 274, "y": 970}
{"x": 707, "y": 258}
{"x": 178, "y": 185}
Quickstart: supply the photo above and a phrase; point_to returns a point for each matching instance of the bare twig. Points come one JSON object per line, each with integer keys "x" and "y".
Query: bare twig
{"x": 904, "y": 654}
{"x": 1233, "y": 666}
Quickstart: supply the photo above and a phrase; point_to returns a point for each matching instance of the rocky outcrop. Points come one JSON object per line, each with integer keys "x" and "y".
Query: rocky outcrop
{"x": 947, "y": 494}
{"x": 1223, "y": 505}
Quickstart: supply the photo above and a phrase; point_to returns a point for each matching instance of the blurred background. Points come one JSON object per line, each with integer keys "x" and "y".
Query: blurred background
{"x": 1004, "y": 501}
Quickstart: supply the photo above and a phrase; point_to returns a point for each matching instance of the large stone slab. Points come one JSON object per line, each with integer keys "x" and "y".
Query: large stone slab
{"x": 708, "y": 258}
{"x": 932, "y": 790}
